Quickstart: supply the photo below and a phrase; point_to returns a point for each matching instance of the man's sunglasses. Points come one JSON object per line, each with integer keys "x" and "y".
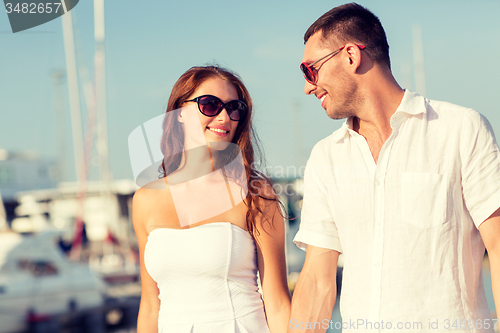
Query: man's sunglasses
{"x": 211, "y": 106}
{"x": 311, "y": 73}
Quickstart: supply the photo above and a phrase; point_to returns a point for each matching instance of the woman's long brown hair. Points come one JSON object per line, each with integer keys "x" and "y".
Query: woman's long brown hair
{"x": 245, "y": 138}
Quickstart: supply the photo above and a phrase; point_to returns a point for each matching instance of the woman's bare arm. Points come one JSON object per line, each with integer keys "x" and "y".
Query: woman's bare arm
{"x": 272, "y": 264}
{"x": 147, "y": 321}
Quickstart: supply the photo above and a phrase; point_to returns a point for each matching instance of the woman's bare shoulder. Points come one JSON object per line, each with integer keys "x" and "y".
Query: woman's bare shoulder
{"x": 150, "y": 192}
{"x": 153, "y": 205}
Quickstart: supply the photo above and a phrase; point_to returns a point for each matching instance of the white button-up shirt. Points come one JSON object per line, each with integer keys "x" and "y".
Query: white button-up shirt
{"x": 407, "y": 226}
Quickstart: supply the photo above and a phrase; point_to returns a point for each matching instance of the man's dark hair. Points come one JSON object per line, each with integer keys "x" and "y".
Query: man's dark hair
{"x": 353, "y": 23}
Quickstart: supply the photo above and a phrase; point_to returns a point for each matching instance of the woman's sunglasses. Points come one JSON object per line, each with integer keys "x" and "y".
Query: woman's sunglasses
{"x": 211, "y": 106}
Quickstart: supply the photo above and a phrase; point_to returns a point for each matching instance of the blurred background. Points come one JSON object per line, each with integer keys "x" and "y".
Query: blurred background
{"x": 57, "y": 132}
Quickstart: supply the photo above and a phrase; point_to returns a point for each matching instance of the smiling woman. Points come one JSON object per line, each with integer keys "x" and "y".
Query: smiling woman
{"x": 210, "y": 221}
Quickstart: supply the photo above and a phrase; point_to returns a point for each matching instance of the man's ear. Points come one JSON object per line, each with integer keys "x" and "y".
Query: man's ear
{"x": 354, "y": 54}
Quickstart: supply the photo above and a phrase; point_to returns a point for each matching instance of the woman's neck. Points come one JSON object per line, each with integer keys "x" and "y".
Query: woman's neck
{"x": 195, "y": 163}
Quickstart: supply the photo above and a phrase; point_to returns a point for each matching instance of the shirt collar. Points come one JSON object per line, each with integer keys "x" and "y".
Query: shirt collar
{"x": 343, "y": 131}
{"x": 411, "y": 104}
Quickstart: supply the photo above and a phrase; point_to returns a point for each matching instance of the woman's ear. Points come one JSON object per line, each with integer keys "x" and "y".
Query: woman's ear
{"x": 179, "y": 117}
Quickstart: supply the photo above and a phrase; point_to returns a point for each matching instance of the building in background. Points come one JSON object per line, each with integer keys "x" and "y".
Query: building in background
{"x": 23, "y": 171}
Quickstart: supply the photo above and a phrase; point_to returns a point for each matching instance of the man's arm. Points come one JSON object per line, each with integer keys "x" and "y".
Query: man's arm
{"x": 316, "y": 291}
{"x": 490, "y": 233}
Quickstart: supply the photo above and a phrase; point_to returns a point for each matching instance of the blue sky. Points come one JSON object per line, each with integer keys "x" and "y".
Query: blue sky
{"x": 148, "y": 46}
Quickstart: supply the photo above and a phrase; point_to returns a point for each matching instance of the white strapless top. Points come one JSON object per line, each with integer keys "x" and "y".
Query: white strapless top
{"x": 207, "y": 279}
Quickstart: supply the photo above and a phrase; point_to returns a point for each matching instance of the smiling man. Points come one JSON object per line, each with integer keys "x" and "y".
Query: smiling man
{"x": 408, "y": 189}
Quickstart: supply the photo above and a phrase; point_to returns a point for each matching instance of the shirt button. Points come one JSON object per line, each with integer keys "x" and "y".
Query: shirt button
{"x": 377, "y": 182}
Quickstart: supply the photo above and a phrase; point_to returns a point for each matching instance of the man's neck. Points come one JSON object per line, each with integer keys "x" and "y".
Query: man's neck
{"x": 382, "y": 97}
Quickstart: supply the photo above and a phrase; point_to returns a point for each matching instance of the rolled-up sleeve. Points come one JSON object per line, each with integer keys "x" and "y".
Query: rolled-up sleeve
{"x": 480, "y": 158}
{"x": 317, "y": 227}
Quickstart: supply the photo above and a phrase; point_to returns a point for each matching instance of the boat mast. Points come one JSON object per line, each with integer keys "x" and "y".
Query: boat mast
{"x": 102, "y": 124}
{"x": 74, "y": 95}
{"x": 58, "y": 78}
{"x": 418, "y": 59}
